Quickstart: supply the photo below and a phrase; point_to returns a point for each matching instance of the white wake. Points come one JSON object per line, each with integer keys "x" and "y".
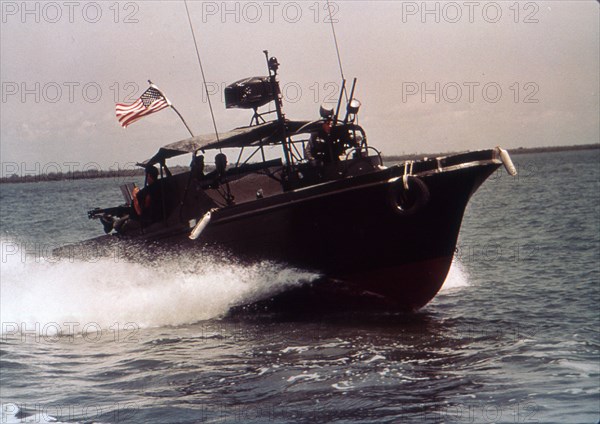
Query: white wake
{"x": 184, "y": 289}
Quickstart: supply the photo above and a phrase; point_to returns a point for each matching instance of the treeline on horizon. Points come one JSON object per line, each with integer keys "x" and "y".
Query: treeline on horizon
{"x": 95, "y": 173}
{"x": 71, "y": 175}
{"x": 517, "y": 151}
{"x": 82, "y": 175}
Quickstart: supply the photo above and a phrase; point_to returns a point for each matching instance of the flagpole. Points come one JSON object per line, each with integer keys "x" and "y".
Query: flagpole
{"x": 182, "y": 120}
{"x": 172, "y": 107}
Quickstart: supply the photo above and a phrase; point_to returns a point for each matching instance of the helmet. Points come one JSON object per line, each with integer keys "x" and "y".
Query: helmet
{"x": 325, "y": 111}
{"x": 151, "y": 170}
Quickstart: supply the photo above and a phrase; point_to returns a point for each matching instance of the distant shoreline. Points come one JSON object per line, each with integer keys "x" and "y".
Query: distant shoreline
{"x": 95, "y": 174}
{"x": 526, "y": 150}
{"x": 517, "y": 151}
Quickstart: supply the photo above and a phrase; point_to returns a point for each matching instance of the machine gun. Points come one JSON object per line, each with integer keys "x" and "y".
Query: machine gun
{"x": 127, "y": 190}
{"x": 116, "y": 211}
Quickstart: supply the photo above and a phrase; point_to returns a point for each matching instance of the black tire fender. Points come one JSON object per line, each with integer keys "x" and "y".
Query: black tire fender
{"x": 407, "y": 202}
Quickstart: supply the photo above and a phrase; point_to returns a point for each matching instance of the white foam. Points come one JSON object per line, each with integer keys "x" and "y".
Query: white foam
{"x": 295, "y": 349}
{"x": 375, "y": 358}
{"x": 343, "y": 385}
{"x": 457, "y": 277}
{"x": 304, "y": 376}
{"x": 184, "y": 290}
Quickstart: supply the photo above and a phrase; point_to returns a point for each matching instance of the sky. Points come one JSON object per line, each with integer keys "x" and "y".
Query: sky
{"x": 432, "y": 76}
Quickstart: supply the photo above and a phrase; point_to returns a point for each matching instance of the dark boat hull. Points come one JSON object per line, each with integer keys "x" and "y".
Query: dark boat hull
{"x": 370, "y": 254}
{"x": 351, "y": 233}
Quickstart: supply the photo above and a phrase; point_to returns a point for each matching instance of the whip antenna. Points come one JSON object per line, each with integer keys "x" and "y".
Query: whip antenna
{"x": 336, "y": 48}
{"x": 202, "y": 70}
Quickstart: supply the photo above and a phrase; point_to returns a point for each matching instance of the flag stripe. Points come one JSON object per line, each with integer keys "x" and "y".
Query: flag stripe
{"x": 152, "y": 100}
{"x": 133, "y": 116}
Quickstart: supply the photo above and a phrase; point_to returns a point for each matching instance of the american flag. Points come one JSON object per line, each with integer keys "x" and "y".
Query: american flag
{"x": 151, "y": 101}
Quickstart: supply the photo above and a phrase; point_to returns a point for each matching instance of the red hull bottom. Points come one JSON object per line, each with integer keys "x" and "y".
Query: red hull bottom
{"x": 414, "y": 285}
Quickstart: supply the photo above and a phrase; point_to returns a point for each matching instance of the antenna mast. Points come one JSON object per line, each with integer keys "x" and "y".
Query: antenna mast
{"x": 202, "y": 71}
{"x": 337, "y": 50}
{"x": 273, "y": 65}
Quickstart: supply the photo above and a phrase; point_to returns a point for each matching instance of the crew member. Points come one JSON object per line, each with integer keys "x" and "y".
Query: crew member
{"x": 318, "y": 149}
{"x": 146, "y": 201}
{"x": 144, "y": 207}
{"x": 197, "y": 167}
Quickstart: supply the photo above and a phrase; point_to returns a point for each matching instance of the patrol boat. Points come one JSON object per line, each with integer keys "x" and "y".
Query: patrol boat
{"x": 381, "y": 237}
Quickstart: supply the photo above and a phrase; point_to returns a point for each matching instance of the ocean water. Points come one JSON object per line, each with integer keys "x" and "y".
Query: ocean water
{"x": 513, "y": 337}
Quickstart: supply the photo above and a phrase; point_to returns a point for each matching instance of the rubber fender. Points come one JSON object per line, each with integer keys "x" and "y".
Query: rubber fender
{"x": 408, "y": 195}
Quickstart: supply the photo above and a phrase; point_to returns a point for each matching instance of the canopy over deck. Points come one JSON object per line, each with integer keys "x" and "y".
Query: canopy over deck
{"x": 267, "y": 133}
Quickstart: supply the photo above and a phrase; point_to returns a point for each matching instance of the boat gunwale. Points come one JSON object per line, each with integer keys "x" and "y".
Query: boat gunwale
{"x": 382, "y": 176}
{"x": 307, "y": 191}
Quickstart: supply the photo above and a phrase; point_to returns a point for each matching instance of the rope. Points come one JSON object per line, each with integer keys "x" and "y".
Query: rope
{"x": 408, "y": 171}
